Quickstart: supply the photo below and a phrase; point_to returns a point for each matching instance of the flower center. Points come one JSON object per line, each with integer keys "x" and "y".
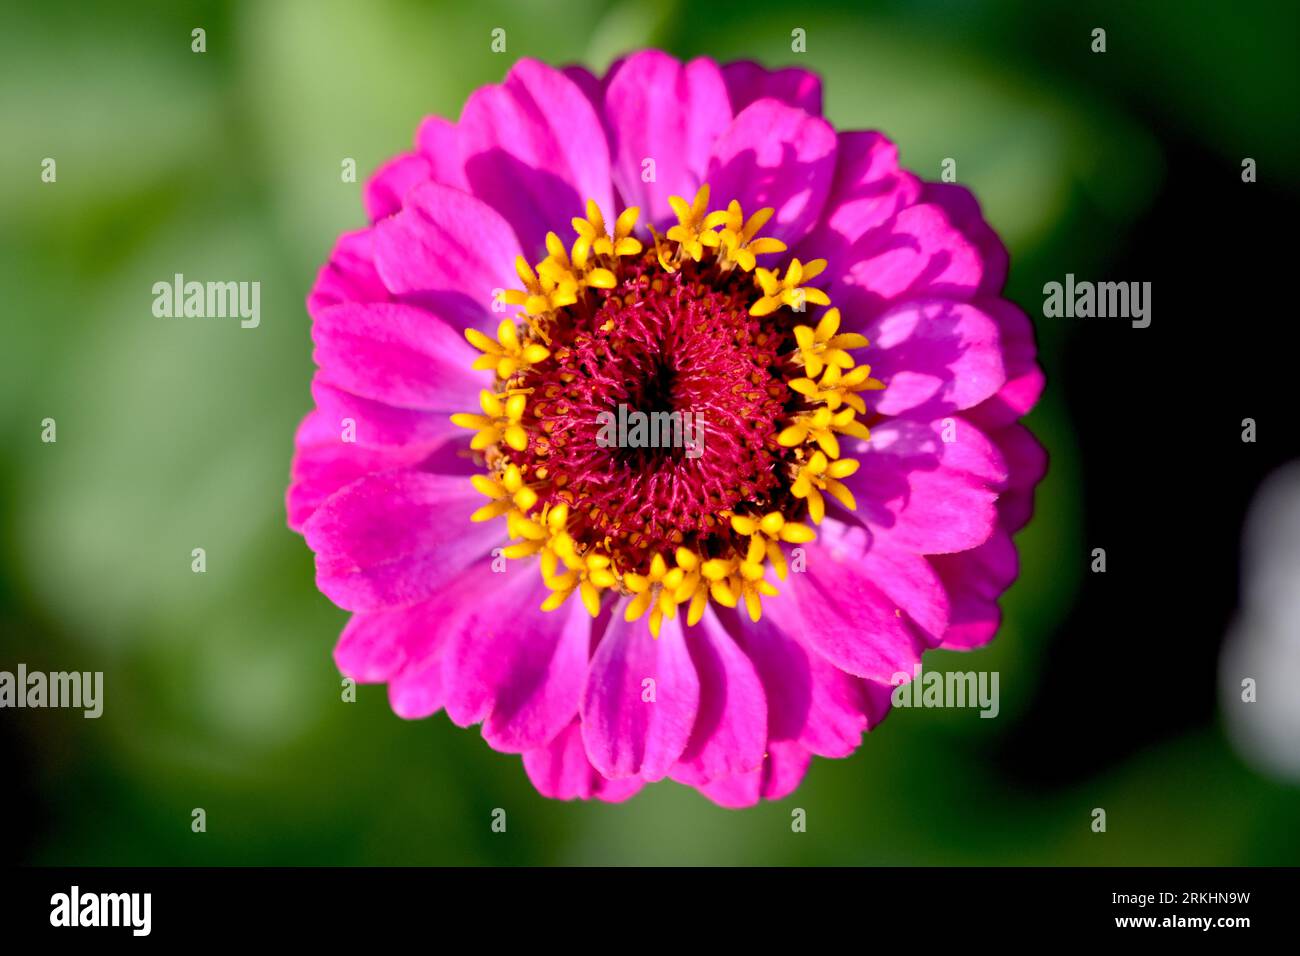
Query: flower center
{"x": 662, "y": 422}
{"x": 662, "y": 363}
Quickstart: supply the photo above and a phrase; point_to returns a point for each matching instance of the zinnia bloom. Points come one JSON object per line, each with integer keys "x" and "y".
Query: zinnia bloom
{"x": 670, "y": 238}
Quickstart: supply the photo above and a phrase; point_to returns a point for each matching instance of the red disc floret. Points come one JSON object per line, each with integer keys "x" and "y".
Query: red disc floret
{"x": 678, "y": 343}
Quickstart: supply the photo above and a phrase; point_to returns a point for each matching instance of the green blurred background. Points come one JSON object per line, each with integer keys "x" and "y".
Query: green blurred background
{"x": 220, "y": 689}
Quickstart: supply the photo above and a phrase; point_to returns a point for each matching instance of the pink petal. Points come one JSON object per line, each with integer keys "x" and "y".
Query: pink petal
{"x": 449, "y": 251}
{"x": 935, "y": 358}
{"x": 405, "y": 646}
{"x": 1025, "y": 378}
{"x": 917, "y": 254}
{"x": 964, "y": 212}
{"x": 561, "y": 771}
{"x": 1027, "y": 463}
{"x": 375, "y": 645}
{"x": 385, "y": 190}
{"x": 417, "y": 692}
{"x": 868, "y": 190}
{"x": 920, "y": 493}
{"x": 401, "y": 355}
{"x": 626, "y": 735}
{"x": 843, "y": 708}
{"x": 782, "y": 770}
{"x": 974, "y": 580}
{"x": 533, "y": 149}
{"x": 837, "y": 608}
{"x": 418, "y": 689}
{"x": 660, "y": 109}
{"x": 413, "y": 433}
{"x": 747, "y": 81}
{"x": 808, "y": 699}
{"x": 783, "y": 665}
{"x": 730, "y": 730}
{"x": 590, "y": 84}
{"x": 349, "y": 275}
{"x": 323, "y": 463}
{"x": 388, "y": 539}
{"x": 906, "y": 579}
{"x": 511, "y": 665}
{"x": 779, "y": 156}
{"x": 436, "y": 140}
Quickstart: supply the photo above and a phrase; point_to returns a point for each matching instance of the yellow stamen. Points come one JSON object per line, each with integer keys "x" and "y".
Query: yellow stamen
{"x": 655, "y": 591}
{"x": 578, "y": 270}
{"x": 790, "y": 290}
{"x": 741, "y": 579}
{"x": 507, "y": 354}
{"x": 593, "y": 237}
{"x": 588, "y": 574}
{"x": 820, "y": 474}
{"x": 737, "y": 243}
{"x": 500, "y": 420}
{"x": 821, "y": 346}
{"x": 543, "y": 293}
{"x": 692, "y": 234}
{"x": 770, "y": 530}
{"x": 820, "y": 425}
{"x": 839, "y": 388}
{"x": 507, "y": 491}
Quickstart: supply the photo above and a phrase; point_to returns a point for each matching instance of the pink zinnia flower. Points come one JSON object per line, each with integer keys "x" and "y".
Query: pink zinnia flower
{"x": 718, "y": 612}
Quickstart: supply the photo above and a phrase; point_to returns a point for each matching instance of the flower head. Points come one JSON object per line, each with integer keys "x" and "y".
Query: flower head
{"x": 721, "y": 605}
